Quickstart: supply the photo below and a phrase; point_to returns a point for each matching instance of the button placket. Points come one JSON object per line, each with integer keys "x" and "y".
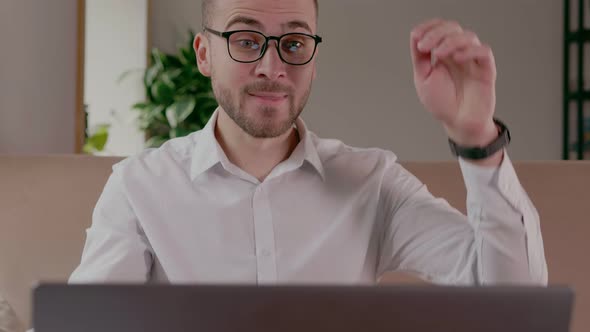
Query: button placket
{"x": 264, "y": 236}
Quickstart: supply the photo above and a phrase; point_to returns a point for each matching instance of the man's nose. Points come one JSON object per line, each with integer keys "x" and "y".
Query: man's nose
{"x": 270, "y": 65}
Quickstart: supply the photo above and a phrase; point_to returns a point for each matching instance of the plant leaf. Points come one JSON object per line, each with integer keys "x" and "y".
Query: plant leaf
{"x": 158, "y": 58}
{"x": 155, "y": 141}
{"x": 179, "y": 132}
{"x": 162, "y": 92}
{"x": 194, "y": 127}
{"x": 179, "y": 99}
{"x": 140, "y": 106}
{"x": 127, "y": 73}
{"x": 174, "y": 74}
{"x": 156, "y": 113}
{"x": 151, "y": 74}
{"x": 179, "y": 111}
{"x": 97, "y": 140}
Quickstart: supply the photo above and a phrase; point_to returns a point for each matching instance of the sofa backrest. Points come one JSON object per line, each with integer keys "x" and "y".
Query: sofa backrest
{"x": 46, "y": 204}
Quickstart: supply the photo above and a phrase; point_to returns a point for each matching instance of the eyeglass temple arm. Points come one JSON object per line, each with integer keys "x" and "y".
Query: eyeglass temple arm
{"x": 217, "y": 33}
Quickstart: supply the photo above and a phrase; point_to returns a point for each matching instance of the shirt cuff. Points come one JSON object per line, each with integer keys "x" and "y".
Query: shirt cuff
{"x": 480, "y": 179}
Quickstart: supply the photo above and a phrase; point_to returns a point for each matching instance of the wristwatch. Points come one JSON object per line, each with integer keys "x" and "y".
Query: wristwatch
{"x": 478, "y": 153}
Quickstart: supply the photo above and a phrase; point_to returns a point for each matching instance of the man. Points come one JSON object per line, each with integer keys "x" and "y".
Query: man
{"x": 257, "y": 198}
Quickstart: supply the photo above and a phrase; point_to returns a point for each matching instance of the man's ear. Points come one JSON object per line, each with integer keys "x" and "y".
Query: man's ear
{"x": 201, "y": 46}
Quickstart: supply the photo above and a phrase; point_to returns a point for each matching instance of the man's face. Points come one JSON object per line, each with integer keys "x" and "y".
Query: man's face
{"x": 264, "y": 98}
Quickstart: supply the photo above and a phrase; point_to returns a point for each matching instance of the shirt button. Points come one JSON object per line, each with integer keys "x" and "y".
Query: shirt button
{"x": 265, "y": 252}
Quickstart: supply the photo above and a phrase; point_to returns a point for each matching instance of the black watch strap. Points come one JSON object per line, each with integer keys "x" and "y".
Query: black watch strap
{"x": 477, "y": 153}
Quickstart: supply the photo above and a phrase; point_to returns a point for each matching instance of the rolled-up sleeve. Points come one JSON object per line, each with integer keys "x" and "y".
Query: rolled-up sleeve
{"x": 499, "y": 241}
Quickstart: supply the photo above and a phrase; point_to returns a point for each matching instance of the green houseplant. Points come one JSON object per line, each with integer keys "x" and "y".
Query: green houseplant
{"x": 179, "y": 99}
{"x": 97, "y": 139}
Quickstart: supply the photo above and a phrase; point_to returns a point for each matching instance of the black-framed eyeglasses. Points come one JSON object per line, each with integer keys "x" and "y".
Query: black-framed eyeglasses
{"x": 247, "y": 46}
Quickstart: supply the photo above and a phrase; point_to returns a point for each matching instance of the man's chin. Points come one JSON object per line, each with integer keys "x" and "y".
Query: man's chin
{"x": 271, "y": 114}
{"x": 257, "y": 107}
{"x": 267, "y": 125}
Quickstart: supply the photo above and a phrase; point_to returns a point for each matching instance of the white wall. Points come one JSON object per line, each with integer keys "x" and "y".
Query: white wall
{"x": 364, "y": 93}
{"x": 171, "y": 20}
{"x": 116, "y": 42}
{"x": 38, "y": 45}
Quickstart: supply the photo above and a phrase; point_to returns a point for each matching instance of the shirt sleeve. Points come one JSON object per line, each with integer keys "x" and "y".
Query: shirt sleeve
{"x": 499, "y": 241}
{"x": 116, "y": 248}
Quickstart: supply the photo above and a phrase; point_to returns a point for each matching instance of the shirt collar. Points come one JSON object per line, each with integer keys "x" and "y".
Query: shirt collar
{"x": 308, "y": 147}
{"x": 207, "y": 152}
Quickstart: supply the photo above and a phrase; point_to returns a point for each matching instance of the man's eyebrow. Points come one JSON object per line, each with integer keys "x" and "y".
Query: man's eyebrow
{"x": 298, "y": 24}
{"x": 244, "y": 20}
{"x": 256, "y": 24}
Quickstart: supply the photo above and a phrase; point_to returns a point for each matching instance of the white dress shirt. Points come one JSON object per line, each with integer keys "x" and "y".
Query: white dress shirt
{"x": 330, "y": 213}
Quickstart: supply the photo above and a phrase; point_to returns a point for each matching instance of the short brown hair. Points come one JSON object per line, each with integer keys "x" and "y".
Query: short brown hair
{"x": 207, "y": 8}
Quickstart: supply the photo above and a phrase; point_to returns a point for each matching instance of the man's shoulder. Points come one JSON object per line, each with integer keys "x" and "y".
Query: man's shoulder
{"x": 336, "y": 151}
{"x": 176, "y": 153}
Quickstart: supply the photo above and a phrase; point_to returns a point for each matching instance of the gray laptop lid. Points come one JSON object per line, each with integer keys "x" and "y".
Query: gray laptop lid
{"x": 149, "y": 308}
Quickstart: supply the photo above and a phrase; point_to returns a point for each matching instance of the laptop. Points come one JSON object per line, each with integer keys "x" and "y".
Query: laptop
{"x": 157, "y": 308}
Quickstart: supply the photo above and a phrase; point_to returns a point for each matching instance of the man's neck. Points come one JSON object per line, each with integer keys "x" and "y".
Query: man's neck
{"x": 256, "y": 156}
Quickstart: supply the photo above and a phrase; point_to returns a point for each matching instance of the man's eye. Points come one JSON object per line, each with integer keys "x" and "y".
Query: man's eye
{"x": 293, "y": 46}
{"x": 248, "y": 44}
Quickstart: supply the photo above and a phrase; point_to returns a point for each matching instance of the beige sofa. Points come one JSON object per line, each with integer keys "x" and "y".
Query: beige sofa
{"x": 46, "y": 204}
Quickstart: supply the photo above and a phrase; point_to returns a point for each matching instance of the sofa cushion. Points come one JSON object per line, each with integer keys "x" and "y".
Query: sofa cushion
{"x": 46, "y": 203}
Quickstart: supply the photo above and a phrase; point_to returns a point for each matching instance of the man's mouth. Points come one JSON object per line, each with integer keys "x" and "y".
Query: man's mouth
{"x": 269, "y": 96}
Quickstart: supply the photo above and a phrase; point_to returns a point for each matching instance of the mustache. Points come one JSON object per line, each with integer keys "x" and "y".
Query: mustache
{"x": 265, "y": 86}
